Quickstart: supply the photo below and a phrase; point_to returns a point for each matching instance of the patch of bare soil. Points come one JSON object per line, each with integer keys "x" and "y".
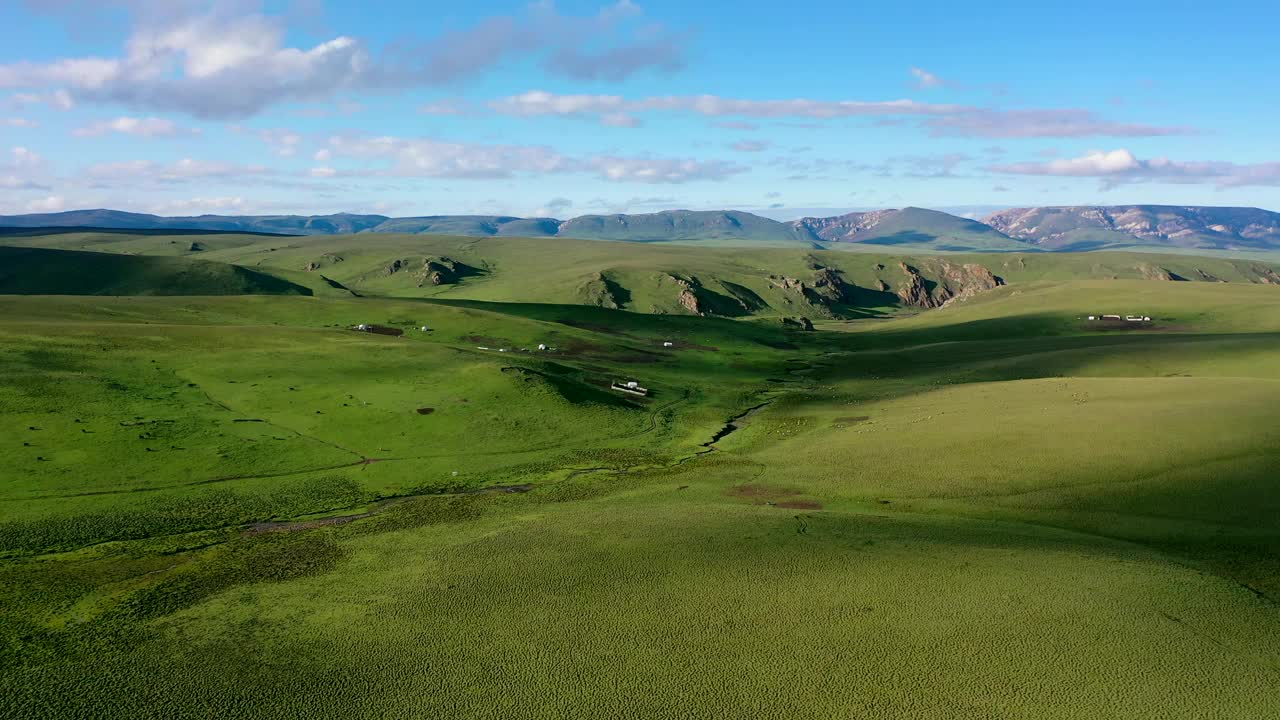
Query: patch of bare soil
{"x": 586, "y": 349}
{"x": 425, "y": 410}
{"x": 487, "y": 341}
{"x": 850, "y": 420}
{"x": 799, "y": 504}
{"x": 384, "y": 330}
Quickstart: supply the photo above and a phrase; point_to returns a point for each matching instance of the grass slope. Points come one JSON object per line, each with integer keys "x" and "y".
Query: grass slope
{"x": 40, "y": 271}
{"x": 234, "y": 506}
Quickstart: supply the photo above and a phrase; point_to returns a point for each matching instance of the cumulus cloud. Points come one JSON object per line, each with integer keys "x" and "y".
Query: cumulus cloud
{"x": 424, "y": 157}
{"x": 1121, "y": 166}
{"x": 1041, "y": 123}
{"x": 150, "y": 127}
{"x": 222, "y": 62}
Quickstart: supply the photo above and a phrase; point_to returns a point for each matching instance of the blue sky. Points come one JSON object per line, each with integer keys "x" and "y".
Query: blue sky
{"x": 406, "y": 108}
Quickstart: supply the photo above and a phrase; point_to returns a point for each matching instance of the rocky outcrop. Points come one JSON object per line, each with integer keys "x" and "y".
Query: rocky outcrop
{"x": 698, "y": 299}
{"x": 954, "y": 283}
{"x": 688, "y": 299}
{"x": 433, "y": 270}
{"x": 1266, "y": 275}
{"x": 324, "y": 260}
{"x": 1152, "y": 272}
{"x": 916, "y": 290}
{"x": 799, "y": 323}
{"x": 604, "y": 292}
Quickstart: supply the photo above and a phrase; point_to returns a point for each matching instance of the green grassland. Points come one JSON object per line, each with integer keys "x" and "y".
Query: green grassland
{"x": 646, "y": 278}
{"x": 233, "y": 506}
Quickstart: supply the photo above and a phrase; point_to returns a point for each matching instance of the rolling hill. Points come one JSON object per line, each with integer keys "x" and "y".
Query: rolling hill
{"x": 43, "y": 271}
{"x": 652, "y": 278}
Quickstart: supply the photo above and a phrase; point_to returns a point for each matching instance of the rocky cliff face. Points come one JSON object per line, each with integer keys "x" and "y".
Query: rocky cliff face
{"x": 842, "y": 228}
{"x": 1176, "y": 226}
{"x": 955, "y": 283}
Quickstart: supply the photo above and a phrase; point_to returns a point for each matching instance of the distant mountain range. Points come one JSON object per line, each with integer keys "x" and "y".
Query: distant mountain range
{"x": 1091, "y": 227}
{"x": 1020, "y": 229}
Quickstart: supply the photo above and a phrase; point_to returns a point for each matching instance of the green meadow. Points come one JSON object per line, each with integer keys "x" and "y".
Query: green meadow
{"x": 218, "y": 504}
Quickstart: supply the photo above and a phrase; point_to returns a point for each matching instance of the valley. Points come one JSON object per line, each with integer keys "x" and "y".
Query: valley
{"x": 954, "y": 494}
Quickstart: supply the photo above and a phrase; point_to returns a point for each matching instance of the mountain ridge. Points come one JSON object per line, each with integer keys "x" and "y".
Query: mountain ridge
{"x": 1089, "y": 227}
{"x": 1052, "y": 229}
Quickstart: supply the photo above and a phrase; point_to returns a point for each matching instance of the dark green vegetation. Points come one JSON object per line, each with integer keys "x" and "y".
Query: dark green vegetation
{"x": 240, "y": 507}
{"x": 1143, "y": 227}
{"x": 41, "y": 271}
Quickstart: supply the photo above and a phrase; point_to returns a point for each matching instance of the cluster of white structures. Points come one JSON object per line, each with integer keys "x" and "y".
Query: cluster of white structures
{"x": 1122, "y": 318}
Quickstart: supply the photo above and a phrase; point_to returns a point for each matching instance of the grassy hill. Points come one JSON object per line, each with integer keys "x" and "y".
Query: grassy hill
{"x": 655, "y": 278}
{"x": 43, "y": 271}
{"x": 994, "y": 509}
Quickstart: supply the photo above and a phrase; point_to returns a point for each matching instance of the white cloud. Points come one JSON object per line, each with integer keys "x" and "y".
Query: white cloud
{"x": 751, "y": 145}
{"x": 322, "y": 155}
{"x": 13, "y": 182}
{"x": 661, "y": 170}
{"x": 151, "y": 127}
{"x": 201, "y": 206}
{"x": 22, "y": 158}
{"x": 926, "y": 80}
{"x": 58, "y": 100}
{"x": 1121, "y": 166}
{"x": 18, "y": 122}
{"x": 52, "y": 203}
{"x": 541, "y": 102}
{"x": 1041, "y": 123}
{"x": 323, "y": 172}
{"x": 184, "y": 170}
{"x": 620, "y": 120}
{"x": 445, "y": 107}
{"x": 422, "y": 157}
{"x": 212, "y": 62}
{"x": 283, "y": 142}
